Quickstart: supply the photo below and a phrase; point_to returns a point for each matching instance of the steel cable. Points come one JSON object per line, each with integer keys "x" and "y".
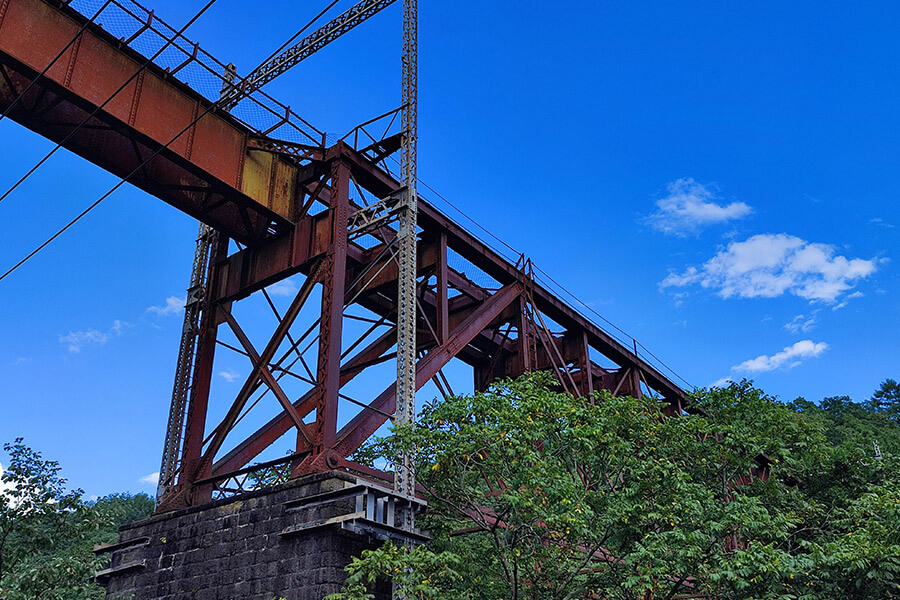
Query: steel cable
{"x": 97, "y": 110}
{"x": 53, "y": 62}
{"x": 123, "y": 180}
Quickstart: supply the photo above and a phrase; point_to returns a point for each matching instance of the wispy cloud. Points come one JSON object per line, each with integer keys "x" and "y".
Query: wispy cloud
{"x": 151, "y": 479}
{"x": 770, "y": 265}
{"x": 849, "y": 297}
{"x": 678, "y": 298}
{"x": 723, "y": 382}
{"x": 76, "y": 340}
{"x": 285, "y": 287}
{"x": 802, "y": 323}
{"x": 19, "y": 361}
{"x": 690, "y": 206}
{"x": 881, "y": 223}
{"x": 119, "y": 326}
{"x": 229, "y": 375}
{"x": 173, "y": 306}
{"x": 789, "y": 358}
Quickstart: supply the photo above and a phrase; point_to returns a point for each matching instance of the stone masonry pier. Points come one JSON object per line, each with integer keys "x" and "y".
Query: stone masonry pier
{"x": 291, "y": 541}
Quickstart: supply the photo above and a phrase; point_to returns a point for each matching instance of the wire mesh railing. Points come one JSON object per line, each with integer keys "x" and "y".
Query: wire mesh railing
{"x": 142, "y": 31}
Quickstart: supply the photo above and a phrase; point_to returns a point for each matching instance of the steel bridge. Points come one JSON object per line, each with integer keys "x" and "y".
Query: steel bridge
{"x": 278, "y": 198}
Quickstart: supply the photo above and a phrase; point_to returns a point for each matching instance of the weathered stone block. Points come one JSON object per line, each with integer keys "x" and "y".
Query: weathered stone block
{"x": 257, "y": 546}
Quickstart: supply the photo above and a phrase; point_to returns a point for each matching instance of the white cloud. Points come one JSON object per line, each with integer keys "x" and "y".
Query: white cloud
{"x": 801, "y": 323}
{"x": 285, "y": 287}
{"x": 678, "y": 298}
{"x": 790, "y": 357}
{"x": 846, "y": 299}
{"x": 691, "y": 206}
{"x": 881, "y": 223}
{"x": 229, "y": 375}
{"x": 151, "y": 479}
{"x": 76, "y": 340}
{"x": 119, "y": 326}
{"x": 19, "y": 361}
{"x": 722, "y": 382}
{"x": 770, "y": 265}
{"x": 174, "y": 305}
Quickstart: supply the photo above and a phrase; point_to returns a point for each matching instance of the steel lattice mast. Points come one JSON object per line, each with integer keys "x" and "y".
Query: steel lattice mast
{"x": 404, "y": 481}
{"x": 355, "y": 15}
{"x": 185, "y": 366}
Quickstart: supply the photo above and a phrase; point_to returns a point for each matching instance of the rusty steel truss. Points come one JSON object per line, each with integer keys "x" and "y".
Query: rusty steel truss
{"x": 284, "y": 203}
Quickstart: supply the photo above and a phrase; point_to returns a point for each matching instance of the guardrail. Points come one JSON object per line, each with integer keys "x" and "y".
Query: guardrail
{"x": 141, "y": 30}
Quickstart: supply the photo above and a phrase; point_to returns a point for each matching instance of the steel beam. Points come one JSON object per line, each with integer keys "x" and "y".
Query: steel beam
{"x": 352, "y": 435}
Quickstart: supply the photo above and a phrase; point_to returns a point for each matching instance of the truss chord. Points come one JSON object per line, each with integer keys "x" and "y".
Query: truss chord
{"x": 478, "y": 316}
{"x": 123, "y": 180}
{"x": 206, "y": 237}
{"x": 579, "y": 301}
{"x": 276, "y": 65}
{"x": 557, "y": 284}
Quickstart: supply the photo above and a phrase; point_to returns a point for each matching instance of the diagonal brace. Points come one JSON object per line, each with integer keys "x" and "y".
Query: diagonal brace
{"x": 364, "y": 424}
{"x": 250, "y": 384}
{"x": 266, "y": 375}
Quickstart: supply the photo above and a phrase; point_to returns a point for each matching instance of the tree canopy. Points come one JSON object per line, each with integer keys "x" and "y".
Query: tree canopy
{"x": 47, "y": 533}
{"x": 533, "y": 494}
{"x": 536, "y": 495}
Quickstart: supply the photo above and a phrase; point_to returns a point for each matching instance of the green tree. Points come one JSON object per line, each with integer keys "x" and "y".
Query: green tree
{"x": 44, "y": 532}
{"x": 421, "y": 573}
{"x": 886, "y": 400}
{"x": 47, "y": 532}
{"x": 563, "y": 498}
{"x": 851, "y": 525}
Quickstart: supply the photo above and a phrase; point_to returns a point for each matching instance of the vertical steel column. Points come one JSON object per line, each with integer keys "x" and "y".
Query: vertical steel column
{"x": 333, "y": 284}
{"x": 404, "y": 481}
{"x": 195, "y": 426}
{"x": 442, "y": 300}
{"x": 587, "y": 383}
{"x": 185, "y": 364}
{"x": 524, "y": 332}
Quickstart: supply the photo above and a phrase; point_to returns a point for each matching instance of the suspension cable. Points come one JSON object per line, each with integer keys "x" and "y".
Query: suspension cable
{"x": 124, "y": 179}
{"x": 105, "y": 102}
{"x": 53, "y": 62}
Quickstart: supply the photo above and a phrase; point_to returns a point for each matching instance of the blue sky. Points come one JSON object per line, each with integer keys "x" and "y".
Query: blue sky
{"x": 718, "y": 181}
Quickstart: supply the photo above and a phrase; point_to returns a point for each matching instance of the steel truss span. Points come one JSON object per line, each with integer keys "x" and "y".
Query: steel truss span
{"x": 286, "y": 204}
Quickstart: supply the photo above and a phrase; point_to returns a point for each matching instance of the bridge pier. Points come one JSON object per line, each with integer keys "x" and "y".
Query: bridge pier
{"x": 290, "y": 541}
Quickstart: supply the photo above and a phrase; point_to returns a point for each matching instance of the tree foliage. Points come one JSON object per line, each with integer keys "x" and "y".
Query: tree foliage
{"x": 545, "y": 496}
{"x": 47, "y": 533}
